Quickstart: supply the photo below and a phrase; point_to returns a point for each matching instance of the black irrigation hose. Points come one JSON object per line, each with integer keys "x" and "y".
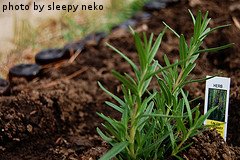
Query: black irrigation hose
{"x": 48, "y": 56}
{"x": 29, "y": 71}
{"x": 51, "y": 55}
{"x": 4, "y": 86}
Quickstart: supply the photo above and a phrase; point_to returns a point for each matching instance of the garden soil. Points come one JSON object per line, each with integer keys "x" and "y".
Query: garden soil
{"x": 54, "y": 116}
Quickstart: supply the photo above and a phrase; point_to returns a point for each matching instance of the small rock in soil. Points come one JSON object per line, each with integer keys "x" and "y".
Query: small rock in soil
{"x": 28, "y": 71}
{"x": 51, "y": 55}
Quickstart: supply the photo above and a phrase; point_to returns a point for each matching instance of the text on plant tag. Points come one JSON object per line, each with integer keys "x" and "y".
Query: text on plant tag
{"x": 217, "y": 85}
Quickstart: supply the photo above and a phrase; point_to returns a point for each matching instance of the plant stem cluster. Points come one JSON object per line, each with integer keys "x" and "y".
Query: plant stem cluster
{"x": 156, "y": 124}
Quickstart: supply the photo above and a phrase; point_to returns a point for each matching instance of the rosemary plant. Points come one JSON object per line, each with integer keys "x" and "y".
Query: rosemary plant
{"x": 156, "y": 126}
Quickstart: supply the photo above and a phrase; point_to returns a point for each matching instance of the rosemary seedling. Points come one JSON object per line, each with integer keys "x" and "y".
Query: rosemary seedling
{"x": 156, "y": 126}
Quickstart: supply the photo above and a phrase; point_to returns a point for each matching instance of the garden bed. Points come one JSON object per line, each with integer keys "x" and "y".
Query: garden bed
{"x": 54, "y": 115}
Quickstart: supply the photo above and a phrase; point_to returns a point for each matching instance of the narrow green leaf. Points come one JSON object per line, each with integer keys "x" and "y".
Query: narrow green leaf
{"x": 114, "y": 151}
{"x": 162, "y": 115}
{"x": 171, "y": 29}
{"x": 180, "y": 108}
{"x": 165, "y": 90}
{"x": 180, "y": 125}
{"x": 188, "y": 108}
{"x": 145, "y": 40}
{"x": 130, "y": 78}
{"x": 197, "y": 26}
{"x": 145, "y": 86}
{"x": 165, "y": 68}
{"x": 112, "y": 95}
{"x": 188, "y": 70}
{"x": 125, "y": 118}
{"x": 151, "y": 70}
{"x": 141, "y": 53}
{"x": 216, "y": 48}
{"x": 197, "y": 114}
{"x": 202, "y": 118}
{"x": 103, "y": 136}
{"x": 143, "y": 118}
{"x": 150, "y": 97}
{"x": 175, "y": 72}
{"x": 148, "y": 135}
{"x": 213, "y": 29}
{"x": 156, "y": 46}
{"x": 166, "y": 60}
{"x": 112, "y": 122}
{"x": 114, "y": 106}
{"x": 127, "y": 96}
{"x": 114, "y": 126}
{"x": 183, "y": 50}
{"x": 193, "y": 18}
{"x": 147, "y": 100}
{"x": 149, "y": 44}
{"x": 111, "y": 131}
{"x": 172, "y": 139}
{"x": 132, "y": 30}
{"x": 124, "y": 57}
{"x": 198, "y": 80}
{"x": 195, "y": 99}
{"x": 155, "y": 144}
{"x": 205, "y": 22}
{"x": 184, "y": 147}
{"x": 125, "y": 81}
{"x": 204, "y": 34}
{"x": 178, "y": 157}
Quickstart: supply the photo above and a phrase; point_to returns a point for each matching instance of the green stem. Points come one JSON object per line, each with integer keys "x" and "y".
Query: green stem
{"x": 133, "y": 133}
{"x": 134, "y": 115}
{"x": 178, "y": 81}
{"x": 132, "y": 147}
{"x": 175, "y": 151}
{"x": 191, "y": 51}
{"x": 141, "y": 81}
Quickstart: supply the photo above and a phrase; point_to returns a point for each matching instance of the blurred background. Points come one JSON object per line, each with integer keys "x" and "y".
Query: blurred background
{"x": 24, "y": 33}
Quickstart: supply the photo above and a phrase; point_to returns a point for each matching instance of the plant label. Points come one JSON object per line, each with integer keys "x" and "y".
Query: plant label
{"x": 217, "y": 95}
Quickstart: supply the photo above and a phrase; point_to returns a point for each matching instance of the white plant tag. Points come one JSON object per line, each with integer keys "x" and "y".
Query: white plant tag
{"x": 217, "y": 95}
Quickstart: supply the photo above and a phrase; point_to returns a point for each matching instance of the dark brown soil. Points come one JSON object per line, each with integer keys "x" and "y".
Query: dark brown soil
{"x": 210, "y": 145}
{"x": 54, "y": 115}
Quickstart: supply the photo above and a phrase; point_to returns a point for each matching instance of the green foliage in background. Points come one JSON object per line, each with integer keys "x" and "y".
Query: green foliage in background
{"x": 156, "y": 124}
{"x": 217, "y": 98}
{"x": 71, "y": 27}
{"x": 116, "y": 13}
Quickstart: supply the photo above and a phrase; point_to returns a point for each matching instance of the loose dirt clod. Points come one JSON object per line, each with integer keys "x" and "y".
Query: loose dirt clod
{"x": 210, "y": 145}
